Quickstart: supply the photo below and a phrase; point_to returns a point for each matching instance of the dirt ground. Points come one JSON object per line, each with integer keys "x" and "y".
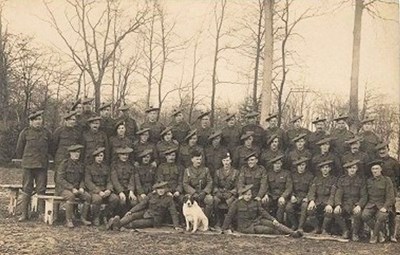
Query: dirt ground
{"x": 37, "y": 238}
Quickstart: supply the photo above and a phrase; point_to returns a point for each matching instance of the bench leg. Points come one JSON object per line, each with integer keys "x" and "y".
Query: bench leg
{"x": 12, "y": 207}
{"x": 49, "y": 211}
{"x": 34, "y": 203}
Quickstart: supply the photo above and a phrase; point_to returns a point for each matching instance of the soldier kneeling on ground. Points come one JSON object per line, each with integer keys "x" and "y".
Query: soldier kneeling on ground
{"x": 70, "y": 184}
{"x": 150, "y": 212}
{"x": 251, "y": 218}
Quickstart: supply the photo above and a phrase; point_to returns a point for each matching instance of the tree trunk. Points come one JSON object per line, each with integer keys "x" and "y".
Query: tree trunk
{"x": 97, "y": 95}
{"x": 266, "y": 96}
{"x": 355, "y": 65}
{"x": 257, "y": 60}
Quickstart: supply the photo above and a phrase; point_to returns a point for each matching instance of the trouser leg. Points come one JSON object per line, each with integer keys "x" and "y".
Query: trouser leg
{"x": 303, "y": 215}
{"x": 381, "y": 219}
{"x": 27, "y": 189}
{"x": 96, "y": 203}
{"x": 280, "y": 212}
{"x": 326, "y": 222}
{"x": 41, "y": 183}
{"x": 291, "y": 215}
{"x": 129, "y": 217}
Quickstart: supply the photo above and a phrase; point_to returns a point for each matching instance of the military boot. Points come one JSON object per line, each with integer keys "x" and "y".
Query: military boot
{"x": 84, "y": 214}
{"x": 292, "y": 220}
{"x": 96, "y": 215}
{"x": 286, "y": 230}
{"x": 24, "y": 207}
{"x": 325, "y": 224}
{"x": 342, "y": 224}
{"x": 69, "y": 212}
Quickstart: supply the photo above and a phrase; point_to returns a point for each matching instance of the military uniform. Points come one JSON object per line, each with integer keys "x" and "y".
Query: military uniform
{"x": 93, "y": 140}
{"x": 256, "y": 176}
{"x": 238, "y": 159}
{"x": 230, "y": 138}
{"x": 363, "y": 159}
{"x": 340, "y": 136}
{"x": 213, "y": 157}
{"x": 107, "y": 126}
{"x": 315, "y": 137}
{"x": 295, "y": 154}
{"x": 118, "y": 142}
{"x": 294, "y": 132}
{"x": 257, "y": 131}
{"x": 279, "y": 184}
{"x": 203, "y": 133}
{"x": 368, "y": 142}
{"x": 155, "y": 130}
{"x": 139, "y": 147}
{"x": 336, "y": 168}
{"x": 123, "y": 181}
{"x": 267, "y": 155}
{"x": 33, "y": 147}
{"x": 162, "y": 146}
{"x": 131, "y": 126}
{"x": 180, "y": 130}
{"x": 185, "y": 151}
{"x": 172, "y": 174}
{"x": 82, "y": 120}
{"x": 279, "y": 132}
{"x": 145, "y": 178}
{"x": 63, "y": 137}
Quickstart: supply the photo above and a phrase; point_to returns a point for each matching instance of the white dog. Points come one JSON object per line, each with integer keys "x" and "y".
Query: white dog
{"x": 194, "y": 215}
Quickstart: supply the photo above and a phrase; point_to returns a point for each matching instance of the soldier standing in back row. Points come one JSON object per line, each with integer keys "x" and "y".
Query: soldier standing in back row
{"x": 340, "y": 135}
{"x": 107, "y": 122}
{"x": 316, "y": 136}
{"x": 355, "y": 154}
{"x": 180, "y": 128}
{"x": 295, "y": 131}
{"x": 155, "y": 127}
{"x": 119, "y": 140}
{"x": 130, "y": 123}
{"x": 214, "y": 152}
{"x": 87, "y": 112}
{"x": 33, "y": 147}
{"x": 273, "y": 129}
{"x": 230, "y": 136}
{"x": 254, "y": 128}
{"x": 93, "y": 139}
{"x": 203, "y": 129}
{"x": 369, "y": 139}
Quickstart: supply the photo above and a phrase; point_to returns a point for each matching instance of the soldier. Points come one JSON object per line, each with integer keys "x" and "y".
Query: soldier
{"x": 78, "y": 108}
{"x": 107, "y": 122}
{"x": 130, "y": 123}
{"x": 340, "y": 135}
{"x": 180, "y": 127}
{"x": 250, "y": 217}
{"x": 93, "y": 139}
{"x": 70, "y": 184}
{"x": 274, "y": 130}
{"x": 153, "y": 124}
{"x": 271, "y": 151}
{"x": 64, "y": 137}
{"x": 299, "y": 150}
{"x": 123, "y": 179}
{"x": 142, "y": 145}
{"x": 380, "y": 200}
{"x": 295, "y": 131}
{"x": 254, "y": 128}
{"x": 230, "y": 136}
{"x": 119, "y": 139}
{"x": 172, "y": 173}
{"x": 185, "y": 150}
{"x": 302, "y": 179}
{"x": 145, "y": 174}
{"x": 214, "y": 152}
{"x": 369, "y": 139}
{"x": 33, "y": 147}
{"x": 225, "y": 188}
{"x": 325, "y": 154}
{"x": 204, "y": 129}
{"x": 197, "y": 182}
{"x": 350, "y": 199}
{"x": 243, "y": 150}
{"x": 98, "y": 182}
{"x": 255, "y": 174}
{"x": 166, "y": 142}
{"x": 316, "y": 136}
{"x": 355, "y": 154}
{"x": 279, "y": 188}
{"x": 321, "y": 196}
{"x": 151, "y": 212}
{"x": 391, "y": 169}
{"x": 87, "y": 112}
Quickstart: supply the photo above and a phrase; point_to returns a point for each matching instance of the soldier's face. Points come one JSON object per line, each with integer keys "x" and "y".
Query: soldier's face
{"x": 319, "y": 125}
{"x": 247, "y": 195}
{"x": 273, "y": 122}
{"x": 301, "y": 168}
{"x": 325, "y": 170}
{"x": 74, "y": 155}
{"x": 37, "y": 122}
{"x": 94, "y": 125}
{"x": 193, "y": 140}
{"x": 99, "y": 158}
{"x": 123, "y": 157}
{"x": 168, "y": 136}
{"x": 179, "y": 117}
{"x": 144, "y": 137}
{"x": 325, "y": 147}
{"x": 376, "y": 170}
{"x": 352, "y": 170}
{"x": 226, "y": 162}
{"x": 297, "y": 124}
{"x": 170, "y": 157}
{"x": 383, "y": 152}
{"x": 87, "y": 107}
{"x": 341, "y": 124}
{"x": 216, "y": 141}
{"x": 146, "y": 159}
{"x": 367, "y": 126}
{"x": 161, "y": 191}
{"x": 205, "y": 121}
{"x": 252, "y": 120}
{"x": 277, "y": 166}
{"x": 79, "y": 109}
{"x": 152, "y": 116}
{"x": 355, "y": 146}
{"x": 252, "y": 161}
{"x": 249, "y": 141}
{"x": 196, "y": 161}
{"x": 300, "y": 144}
{"x": 106, "y": 112}
{"x": 70, "y": 122}
{"x": 275, "y": 143}
{"x": 121, "y": 130}
{"x": 231, "y": 122}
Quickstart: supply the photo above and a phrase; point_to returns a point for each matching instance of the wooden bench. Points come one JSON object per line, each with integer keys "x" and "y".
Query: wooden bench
{"x": 14, "y": 190}
{"x": 50, "y": 207}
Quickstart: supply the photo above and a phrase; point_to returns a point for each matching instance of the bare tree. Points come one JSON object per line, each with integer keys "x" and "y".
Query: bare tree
{"x": 95, "y": 44}
{"x": 4, "y": 69}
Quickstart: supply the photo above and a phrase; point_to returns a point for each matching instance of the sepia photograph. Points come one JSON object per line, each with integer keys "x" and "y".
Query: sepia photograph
{"x": 199, "y": 127}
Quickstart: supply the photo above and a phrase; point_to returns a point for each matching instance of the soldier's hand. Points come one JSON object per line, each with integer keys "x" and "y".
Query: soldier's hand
{"x": 281, "y": 200}
{"x": 338, "y": 210}
{"x": 107, "y": 193}
{"x": 293, "y": 199}
{"x": 169, "y": 194}
{"x": 328, "y": 209}
{"x": 136, "y": 164}
{"x": 265, "y": 199}
{"x": 81, "y": 190}
{"x": 132, "y": 196}
{"x": 383, "y": 209}
{"x": 357, "y": 209}
{"x": 122, "y": 196}
{"x": 202, "y": 195}
{"x": 154, "y": 164}
{"x": 275, "y": 222}
{"x": 305, "y": 200}
{"x": 101, "y": 193}
{"x": 311, "y": 205}
{"x": 176, "y": 194}
{"x": 228, "y": 232}
{"x": 256, "y": 198}
{"x": 143, "y": 195}
{"x": 75, "y": 191}
{"x": 128, "y": 213}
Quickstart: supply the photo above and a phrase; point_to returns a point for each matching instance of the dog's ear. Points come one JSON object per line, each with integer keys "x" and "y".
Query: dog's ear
{"x": 186, "y": 198}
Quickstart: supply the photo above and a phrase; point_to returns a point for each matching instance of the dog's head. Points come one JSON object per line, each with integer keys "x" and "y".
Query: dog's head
{"x": 188, "y": 200}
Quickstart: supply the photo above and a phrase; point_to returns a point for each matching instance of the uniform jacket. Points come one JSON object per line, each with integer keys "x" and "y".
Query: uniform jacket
{"x": 368, "y": 142}
{"x": 340, "y": 136}
{"x": 107, "y": 126}
{"x": 92, "y": 141}
{"x": 323, "y": 190}
{"x": 63, "y": 137}
{"x": 337, "y": 169}
{"x": 362, "y": 165}
{"x": 213, "y": 157}
{"x": 230, "y": 137}
{"x": 122, "y": 176}
{"x": 180, "y": 130}
{"x": 98, "y": 178}
{"x": 301, "y": 184}
{"x": 279, "y": 184}
{"x": 139, "y": 147}
{"x": 162, "y": 146}
{"x": 351, "y": 191}
{"x": 315, "y": 137}
{"x": 238, "y": 159}
{"x": 256, "y": 176}
{"x": 380, "y": 192}
{"x": 184, "y": 155}
{"x": 267, "y": 155}
{"x": 225, "y": 181}
{"x": 145, "y": 177}
{"x": 155, "y": 130}
{"x": 259, "y": 133}
{"x": 203, "y": 134}
{"x": 131, "y": 127}
{"x": 295, "y": 154}
{"x": 171, "y": 173}
{"x": 70, "y": 175}
{"x": 196, "y": 180}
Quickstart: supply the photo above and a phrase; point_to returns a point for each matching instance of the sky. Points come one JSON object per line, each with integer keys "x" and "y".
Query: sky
{"x": 324, "y": 50}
